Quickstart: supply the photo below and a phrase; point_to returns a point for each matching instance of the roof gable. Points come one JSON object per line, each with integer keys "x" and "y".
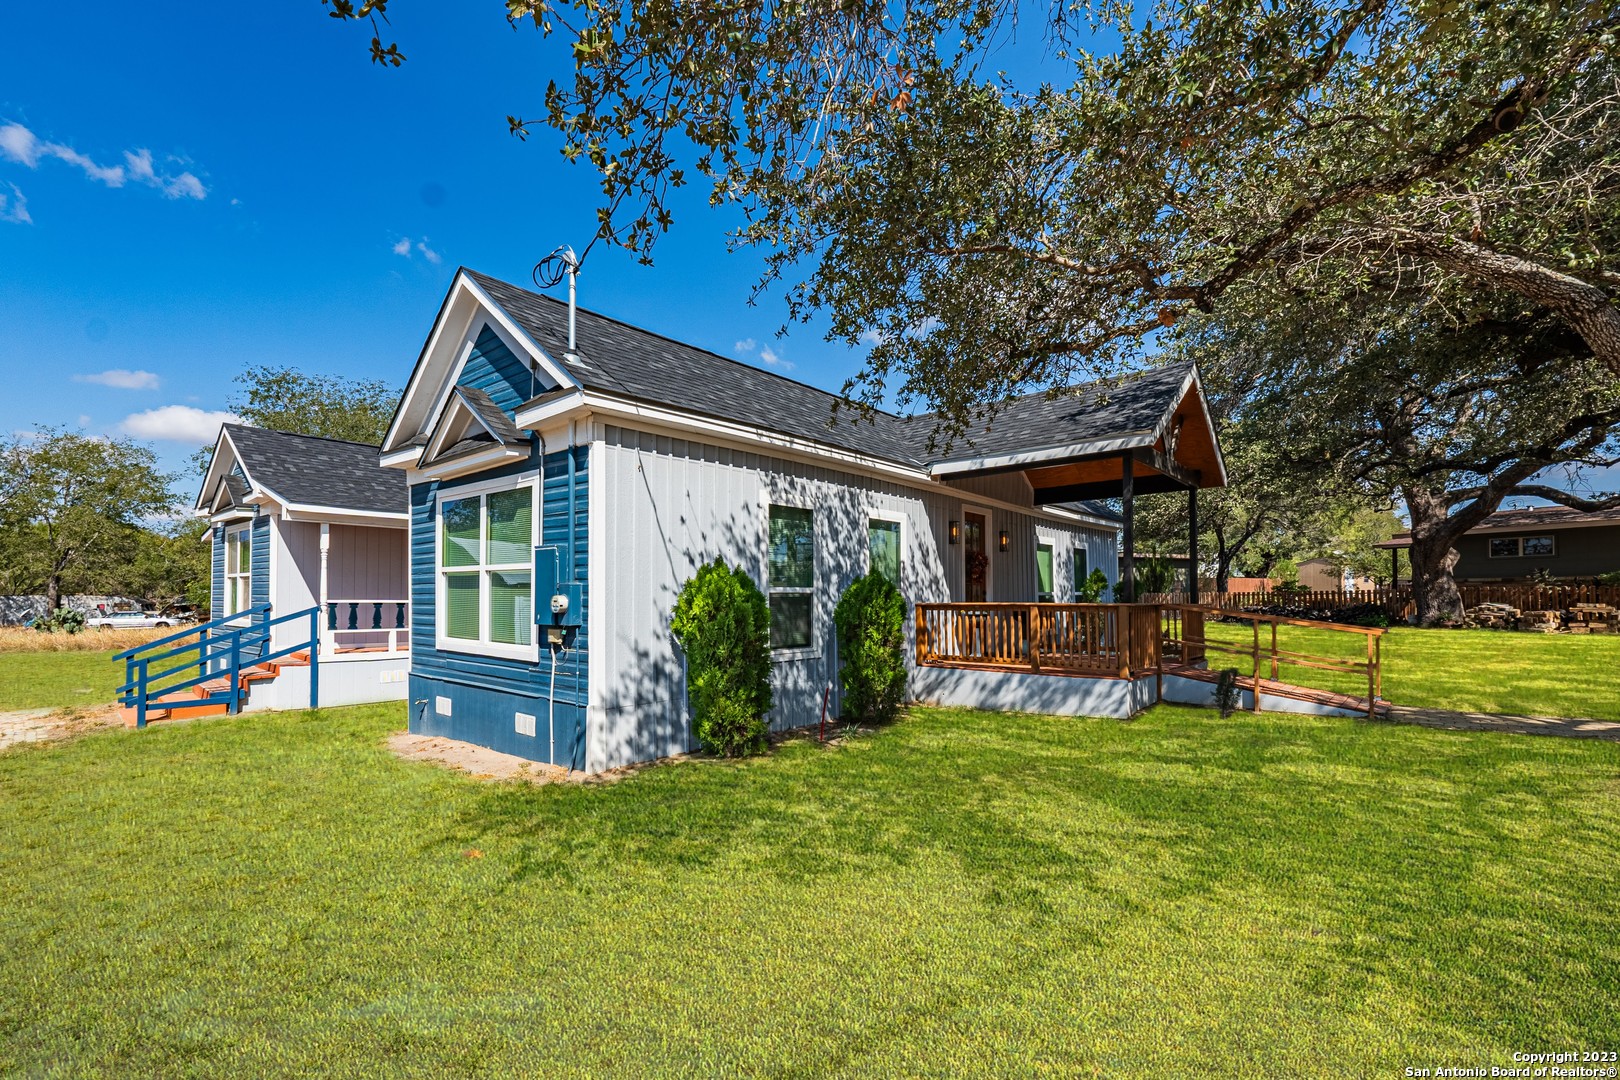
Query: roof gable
{"x": 474, "y": 342}
{"x": 308, "y": 471}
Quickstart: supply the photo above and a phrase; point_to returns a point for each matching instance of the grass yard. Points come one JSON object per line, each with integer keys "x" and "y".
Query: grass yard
{"x": 45, "y": 680}
{"x": 1466, "y": 670}
{"x": 961, "y": 893}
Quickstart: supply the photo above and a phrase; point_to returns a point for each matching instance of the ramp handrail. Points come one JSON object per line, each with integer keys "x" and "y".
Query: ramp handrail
{"x": 222, "y": 649}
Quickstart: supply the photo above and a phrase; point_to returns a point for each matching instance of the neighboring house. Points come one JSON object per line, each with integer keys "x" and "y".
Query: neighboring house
{"x": 1325, "y": 575}
{"x": 602, "y": 472}
{"x": 1512, "y": 545}
{"x": 301, "y": 522}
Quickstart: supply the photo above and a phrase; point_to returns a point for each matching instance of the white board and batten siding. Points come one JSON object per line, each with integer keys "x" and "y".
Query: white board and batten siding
{"x": 362, "y": 563}
{"x": 665, "y": 505}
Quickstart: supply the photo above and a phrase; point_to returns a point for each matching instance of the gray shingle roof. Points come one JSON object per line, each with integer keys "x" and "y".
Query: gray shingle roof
{"x": 615, "y": 357}
{"x": 313, "y": 471}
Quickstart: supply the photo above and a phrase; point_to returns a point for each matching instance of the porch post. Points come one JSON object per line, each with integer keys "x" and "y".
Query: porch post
{"x": 1126, "y": 590}
{"x": 1192, "y": 545}
{"x": 326, "y": 545}
{"x": 1394, "y": 568}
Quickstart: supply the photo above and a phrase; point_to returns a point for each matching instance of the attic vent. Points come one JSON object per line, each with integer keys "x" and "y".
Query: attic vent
{"x": 552, "y": 269}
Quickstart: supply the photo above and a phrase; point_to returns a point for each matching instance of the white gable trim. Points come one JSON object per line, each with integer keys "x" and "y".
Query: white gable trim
{"x": 457, "y": 406}
{"x": 466, "y": 309}
{"x": 210, "y": 479}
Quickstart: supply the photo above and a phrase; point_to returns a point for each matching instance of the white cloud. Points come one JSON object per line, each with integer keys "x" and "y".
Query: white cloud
{"x": 870, "y": 338}
{"x": 746, "y": 345}
{"x": 121, "y": 379}
{"x": 768, "y": 355}
{"x": 84, "y": 420}
{"x": 18, "y": 144}
{"x": 22, "y": 146}
{"x": 14, "y": 208}
{"x": 403, "y": 247}
{"x": 178, "y": 423}
{"x": 428, "y": 253}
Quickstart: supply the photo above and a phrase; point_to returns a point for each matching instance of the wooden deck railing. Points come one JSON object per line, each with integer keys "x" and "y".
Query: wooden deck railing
{"x": 1124, "y": 641}
{"x": 1080, "y": 639}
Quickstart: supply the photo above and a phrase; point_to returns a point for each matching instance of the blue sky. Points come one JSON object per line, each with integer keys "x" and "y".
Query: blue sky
{"x": 187, "y": 190}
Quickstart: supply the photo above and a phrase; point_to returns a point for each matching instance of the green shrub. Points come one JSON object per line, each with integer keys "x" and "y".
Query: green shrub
{"x": 61, "y": 621}
{"x": 1154, "y": 574}
{"x": 1093, "y": 589}
{"x": 870, "y": 618}
{"x": 723, "y": 625}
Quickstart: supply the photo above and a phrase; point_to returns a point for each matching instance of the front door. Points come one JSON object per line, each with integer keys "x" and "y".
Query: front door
{"x": 975, "y": 563}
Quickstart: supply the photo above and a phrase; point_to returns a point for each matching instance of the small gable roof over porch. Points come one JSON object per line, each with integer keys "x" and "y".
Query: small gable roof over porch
{"x": 302, "y": 473}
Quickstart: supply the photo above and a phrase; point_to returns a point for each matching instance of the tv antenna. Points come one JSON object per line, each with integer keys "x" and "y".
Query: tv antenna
{"x": 549, "y": 271}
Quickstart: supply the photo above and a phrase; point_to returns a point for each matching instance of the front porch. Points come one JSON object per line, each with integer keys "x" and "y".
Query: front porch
{"x": 1117, "y": 659}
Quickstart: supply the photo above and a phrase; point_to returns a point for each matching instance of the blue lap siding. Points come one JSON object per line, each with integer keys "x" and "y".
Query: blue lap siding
{"x": 485, "y": 693}
{"x": 492, "y": 368}
{"x": 216, "y": 607}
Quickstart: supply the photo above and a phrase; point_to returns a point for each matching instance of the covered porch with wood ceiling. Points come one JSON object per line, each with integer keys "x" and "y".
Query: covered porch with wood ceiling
{"x": 1164, "y": 444}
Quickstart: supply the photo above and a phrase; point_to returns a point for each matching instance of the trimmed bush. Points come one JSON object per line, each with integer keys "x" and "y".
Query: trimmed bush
{"x": 1092, "y": 589}
{"x": 870, "y": 618}
{"x": 723, "y": 625}
{"x": 61, "y": 621}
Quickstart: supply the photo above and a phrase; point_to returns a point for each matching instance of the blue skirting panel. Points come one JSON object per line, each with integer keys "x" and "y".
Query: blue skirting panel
{"x": 499, "y": 719}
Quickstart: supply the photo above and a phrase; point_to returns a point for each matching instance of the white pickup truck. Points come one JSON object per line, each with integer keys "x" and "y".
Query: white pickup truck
{"x": 126, "y": 620}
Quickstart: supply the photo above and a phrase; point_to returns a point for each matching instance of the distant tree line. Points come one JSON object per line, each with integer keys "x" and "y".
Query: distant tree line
{"x": 84, "y": 513}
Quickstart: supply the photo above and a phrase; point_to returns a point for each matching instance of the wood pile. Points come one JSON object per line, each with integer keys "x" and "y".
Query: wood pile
{"x": 1541, "y": 622}
{"x": 1492, "y": 617}
{"x": 1594, "y": 619}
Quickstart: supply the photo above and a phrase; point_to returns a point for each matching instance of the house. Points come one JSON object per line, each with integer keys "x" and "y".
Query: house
{"x": 301, "y": 523}
{"x": 1322, "y": 574}
{"x": 1513, "y": 545}
{"x": 568, "y": 472}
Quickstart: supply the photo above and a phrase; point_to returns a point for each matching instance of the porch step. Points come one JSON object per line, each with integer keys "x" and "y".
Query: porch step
{"x": 188, "y": 704}
{"x": 1285, "y": 690}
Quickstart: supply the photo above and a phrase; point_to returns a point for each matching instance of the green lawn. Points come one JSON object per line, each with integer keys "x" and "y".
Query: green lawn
{"x": 43, "y": 680}
{"x": 961, "y": 893}
{"x": 1467, "y": 670}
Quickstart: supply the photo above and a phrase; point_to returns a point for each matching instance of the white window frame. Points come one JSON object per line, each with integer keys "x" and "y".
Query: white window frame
{"x": 812, "y": 650}
{"x": 243, "y": 577}
{"x": 1050, "y": 545}
{"x": 483, "y": 646}
{"x": 892, "y": 517}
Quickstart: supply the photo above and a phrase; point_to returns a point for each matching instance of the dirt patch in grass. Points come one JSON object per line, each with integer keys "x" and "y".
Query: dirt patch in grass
{"x": 479, "y": 762}
{"x": 46, "y": 725}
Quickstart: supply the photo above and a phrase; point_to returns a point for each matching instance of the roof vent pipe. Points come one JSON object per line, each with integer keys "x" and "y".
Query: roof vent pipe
{"x": 552, "y": 269}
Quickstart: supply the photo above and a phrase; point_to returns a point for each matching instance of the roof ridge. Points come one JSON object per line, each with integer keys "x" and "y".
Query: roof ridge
{"x": 1071, "y": 388}
{"x": 302, "y": 435}
{"x": 676, "y": 341}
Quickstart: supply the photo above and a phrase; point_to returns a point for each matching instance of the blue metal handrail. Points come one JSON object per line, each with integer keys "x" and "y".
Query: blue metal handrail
{"x": 219, "y": 650}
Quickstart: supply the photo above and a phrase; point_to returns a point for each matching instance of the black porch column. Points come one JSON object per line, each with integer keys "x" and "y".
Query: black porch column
{"x": 1126, "y": 592}
{"x": 1394, "y": 568}
{"x": 1192, "y": 545}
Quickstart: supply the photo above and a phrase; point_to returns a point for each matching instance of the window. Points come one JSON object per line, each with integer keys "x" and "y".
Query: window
{"x": 791, "y": 556}
{"x": 883, "y": 546}
{"x": 1043, "y": 573}
{"x": 1505, "y": 549}
{"x": 1530, "y": 547}
{"x": 486, "y": 548}
{"x": 238, "y": 569}
{"x": 1539, "y": 547}
{"x": 1082, "y": 570}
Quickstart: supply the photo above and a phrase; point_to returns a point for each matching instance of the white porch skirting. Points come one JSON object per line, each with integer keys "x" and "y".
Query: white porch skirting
{"x": 1072, "y": 695}
{"x": 351, "y": 682}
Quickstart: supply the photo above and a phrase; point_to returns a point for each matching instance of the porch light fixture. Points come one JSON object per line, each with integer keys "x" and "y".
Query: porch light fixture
{"x": 1005, "y": 539}
{"x": 953, "y": 532}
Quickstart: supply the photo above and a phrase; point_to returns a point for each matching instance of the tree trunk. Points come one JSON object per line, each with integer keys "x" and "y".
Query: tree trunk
{"x": 1433, "y": 558}
{"x": 53, "y": 593}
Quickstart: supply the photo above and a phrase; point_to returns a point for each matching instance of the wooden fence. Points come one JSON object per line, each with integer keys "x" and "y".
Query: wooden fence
{"x": 1396, "y": 601}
